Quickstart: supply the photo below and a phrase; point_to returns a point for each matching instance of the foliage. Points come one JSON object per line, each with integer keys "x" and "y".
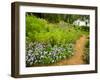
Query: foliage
{"x": 38, "y": 53}
{"x": 86, "y": 53}
{"x": 56, "y": 18}
{"x": 40, "y": 30}
{"x": 85, "y": 28}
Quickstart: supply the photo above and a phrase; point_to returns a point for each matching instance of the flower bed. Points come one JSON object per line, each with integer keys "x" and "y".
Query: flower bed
{"x": 39, "y": 54}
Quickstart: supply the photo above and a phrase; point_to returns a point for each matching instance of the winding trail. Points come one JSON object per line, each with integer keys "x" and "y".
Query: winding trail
{"x": 76, "y": 59}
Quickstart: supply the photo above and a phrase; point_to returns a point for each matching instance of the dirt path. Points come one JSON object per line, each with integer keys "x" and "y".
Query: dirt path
{"x": 77, "y": 57}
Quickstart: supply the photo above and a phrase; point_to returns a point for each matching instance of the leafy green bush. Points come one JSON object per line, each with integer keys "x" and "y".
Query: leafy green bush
{"x": 86, "y": 53}
{"x": 40, "y": 30}
{"x": 85, "y": 28}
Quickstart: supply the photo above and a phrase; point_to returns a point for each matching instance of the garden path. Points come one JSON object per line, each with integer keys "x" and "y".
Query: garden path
{"x": 76, "y": 59}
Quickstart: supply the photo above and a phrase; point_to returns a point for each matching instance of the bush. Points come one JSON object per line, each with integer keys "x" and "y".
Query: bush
{"x": 40, "y": 30}
{"x": 86, "y": 53}
{"x": 85, "y": 28}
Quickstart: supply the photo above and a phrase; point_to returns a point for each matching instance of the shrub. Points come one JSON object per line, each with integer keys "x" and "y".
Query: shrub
{"x": 85, "y": 28}
{"x": 86, "y": 53}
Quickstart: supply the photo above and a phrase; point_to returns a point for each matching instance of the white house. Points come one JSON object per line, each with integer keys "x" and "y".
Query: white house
{"x": 79, "y": 22}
